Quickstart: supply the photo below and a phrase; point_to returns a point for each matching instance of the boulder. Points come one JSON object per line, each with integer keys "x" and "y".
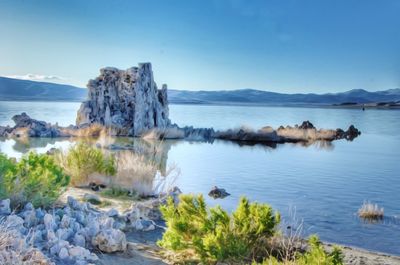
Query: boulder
{"x": 110, "y": 240}
{"x": 126, "y": 100}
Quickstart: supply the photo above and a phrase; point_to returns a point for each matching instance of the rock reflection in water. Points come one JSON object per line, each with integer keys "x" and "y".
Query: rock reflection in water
{"x": 142, "y": 165}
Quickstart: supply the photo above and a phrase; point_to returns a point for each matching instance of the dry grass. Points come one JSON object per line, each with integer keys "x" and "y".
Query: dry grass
{"x": 288, "y": 242}
{"x": 141, "y": 175}
{"x": 370, "y": 211}
{"x": 16, "y": 250}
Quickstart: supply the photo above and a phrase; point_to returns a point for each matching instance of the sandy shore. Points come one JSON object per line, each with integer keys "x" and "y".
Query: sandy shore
{"x": 142, "y": 250}
{"x": 356, "y": 256}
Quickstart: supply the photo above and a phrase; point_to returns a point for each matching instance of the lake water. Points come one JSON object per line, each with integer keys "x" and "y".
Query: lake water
{"x": 324, "y": 183}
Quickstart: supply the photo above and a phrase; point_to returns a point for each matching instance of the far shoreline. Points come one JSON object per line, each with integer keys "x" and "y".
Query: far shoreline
{"x": 234, "y": 104}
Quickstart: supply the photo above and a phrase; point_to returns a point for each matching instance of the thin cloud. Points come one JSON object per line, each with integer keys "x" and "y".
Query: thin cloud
{"x": 43, "y": 78}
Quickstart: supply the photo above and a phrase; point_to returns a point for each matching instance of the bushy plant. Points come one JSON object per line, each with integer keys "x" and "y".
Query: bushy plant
{"x": 215, "y": 235}
{"x": 316, "y": 255}
{"x": 82, "y": 160}
{"x": 6, "y": 164}
{"x": 35, "y": 178}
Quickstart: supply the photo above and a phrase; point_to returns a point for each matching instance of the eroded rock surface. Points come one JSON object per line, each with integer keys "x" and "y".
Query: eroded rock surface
{"x": 126, "y": 100}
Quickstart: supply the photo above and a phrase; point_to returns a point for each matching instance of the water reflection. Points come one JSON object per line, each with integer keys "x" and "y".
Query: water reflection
{"x": 153, "y": 150}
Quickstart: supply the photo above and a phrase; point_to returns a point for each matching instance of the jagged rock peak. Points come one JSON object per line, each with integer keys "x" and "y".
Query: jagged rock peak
{"x": 128, "y": 100}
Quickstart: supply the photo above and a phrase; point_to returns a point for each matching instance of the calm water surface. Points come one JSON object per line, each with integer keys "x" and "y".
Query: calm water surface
{"x": 324, "y": 183}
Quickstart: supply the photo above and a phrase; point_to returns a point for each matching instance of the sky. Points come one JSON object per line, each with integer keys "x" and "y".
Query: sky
{"x": 290, "y": 46}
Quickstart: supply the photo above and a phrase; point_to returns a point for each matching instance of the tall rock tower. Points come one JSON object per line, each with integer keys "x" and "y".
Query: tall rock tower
{"x": 128, "y": 101}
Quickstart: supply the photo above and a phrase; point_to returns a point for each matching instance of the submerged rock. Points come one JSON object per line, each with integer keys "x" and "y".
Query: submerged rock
{"x": 218, "y": 193}
{"x": 351, "y": 133}
{"x": 127, "y": 101}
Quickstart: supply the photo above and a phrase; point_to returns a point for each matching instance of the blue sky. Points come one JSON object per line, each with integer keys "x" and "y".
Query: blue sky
{"x": 280, "y": 45}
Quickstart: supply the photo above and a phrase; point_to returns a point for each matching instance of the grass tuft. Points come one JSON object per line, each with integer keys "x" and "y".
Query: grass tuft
{"x": 370, "y": 211}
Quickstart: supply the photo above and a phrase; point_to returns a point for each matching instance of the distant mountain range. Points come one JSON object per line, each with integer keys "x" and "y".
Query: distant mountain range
{"x": 16, "y": 89}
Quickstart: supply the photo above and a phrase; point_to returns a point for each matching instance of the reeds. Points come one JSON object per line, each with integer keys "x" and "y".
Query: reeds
{"x": 370, "y": 211}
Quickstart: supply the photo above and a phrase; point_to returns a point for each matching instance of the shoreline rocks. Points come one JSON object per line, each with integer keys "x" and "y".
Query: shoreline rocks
{"x": 306, "y": 132}
{"x": 73, "y": 232}
{"x": 128, "y": 103}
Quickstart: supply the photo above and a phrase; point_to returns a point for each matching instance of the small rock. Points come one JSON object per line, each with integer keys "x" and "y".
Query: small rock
{"x": 29, "y": 207}
{"x": 66, "y": 221}
{"x": 57, "y": 246}
{"x": 73, "y": 203}
{"x": 5, "y": 207}
{"x": 144, "y": 225}
{"x": 63, "y": 254}
{"x": 79, "y": 240}
{"x": 29, "y": 218}
{"x": 80, "y": 253}
{"x": 112, "y": 213}
{"x": 49, "y": 222}
{"x": 64, "y": 233}
{"x": 14, "y": 221}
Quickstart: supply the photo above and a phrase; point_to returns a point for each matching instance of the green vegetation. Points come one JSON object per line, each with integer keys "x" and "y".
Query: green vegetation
{"x": 36, "y": 179}
{"x": 195, "y": 232}
{"x": 316, "y": 255}
{"x": 215, "y": 235}
{"x": 82, "y": 160}
{"x": 119, "y": 193}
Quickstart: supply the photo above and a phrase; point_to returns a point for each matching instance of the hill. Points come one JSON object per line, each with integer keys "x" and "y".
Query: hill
{"x": 17, "y": 89}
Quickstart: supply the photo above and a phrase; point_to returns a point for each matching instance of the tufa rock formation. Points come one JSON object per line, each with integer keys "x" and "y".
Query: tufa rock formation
{"x": 127, "y": 101}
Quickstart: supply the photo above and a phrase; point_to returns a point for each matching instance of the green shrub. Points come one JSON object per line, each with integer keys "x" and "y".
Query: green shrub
{"x": 316, "y": 255}
{"x": 6, "y": 164}
{"x": 36, "y": 179}
{"x": 82, "y": 160}
{"x": 214, "y": 235}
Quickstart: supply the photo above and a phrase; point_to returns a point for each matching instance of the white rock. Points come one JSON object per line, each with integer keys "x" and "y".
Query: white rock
{"x": 66, "y": 221}
{"x": 29, "y": 207}
{"x": 110, "y": 240}
{"x": 57, "y": 246}
{"x": 29, "y": 218}
{"x": 79, "y": 240}
{"x": 73, "y": 203}
{"x": 144, "y": 225}
{"x": 64, "y": 233}
{"x": 5, "y": 207}
{"x": 112, "y": 213}
{"x": 80, "y": 253}
{"x": 63, "y": 254}
{"x": 128, "y": 101}
{"x": 15, "y": 222}
{"x": 49, "y": 222}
